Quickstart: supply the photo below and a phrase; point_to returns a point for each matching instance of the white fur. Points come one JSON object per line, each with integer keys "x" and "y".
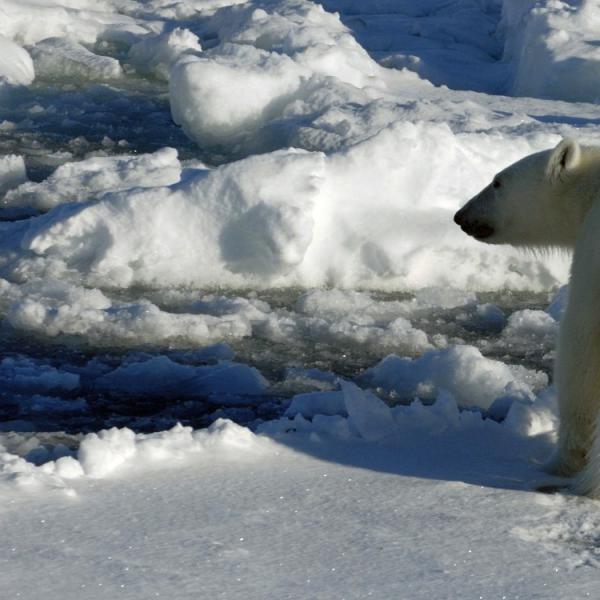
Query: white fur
{"x": 552, "y": 199}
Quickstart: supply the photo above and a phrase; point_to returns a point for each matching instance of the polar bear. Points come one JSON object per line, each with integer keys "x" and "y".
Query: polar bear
{"x": 552, "y": 199}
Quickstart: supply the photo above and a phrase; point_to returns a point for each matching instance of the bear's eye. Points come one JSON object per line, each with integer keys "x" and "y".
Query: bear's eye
{"x": 496, "y": 183}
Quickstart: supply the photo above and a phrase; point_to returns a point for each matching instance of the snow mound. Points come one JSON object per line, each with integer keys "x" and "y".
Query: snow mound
{"x": 552, "y": 48}
{"x": 272, "y": 57}
{"x": 238, "y": 91}
{"x": 16, "y": 66}
{"x": 472, "y": 379}
{"x": 12, "y": 172}
{"x": 103, "y": 453}
{"x": 157, "y": 53}
{"x": 355, "y": 413}
{"x": 531, "y": 328}
{"x": 113, "y": 451}
{"x": 241, "y": 218}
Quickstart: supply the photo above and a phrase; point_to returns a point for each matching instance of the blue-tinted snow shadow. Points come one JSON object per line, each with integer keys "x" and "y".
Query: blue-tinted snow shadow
{"x": 485, "y": 456}
{"x": 566, "y": 120}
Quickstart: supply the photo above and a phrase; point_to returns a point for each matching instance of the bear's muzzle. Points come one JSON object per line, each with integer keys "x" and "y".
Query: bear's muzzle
{"x": 473, "y": 227}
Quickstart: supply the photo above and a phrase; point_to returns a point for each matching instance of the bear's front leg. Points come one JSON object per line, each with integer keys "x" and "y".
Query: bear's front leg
{"x": 576, "y": 377}
{"x": 577, "y": 366}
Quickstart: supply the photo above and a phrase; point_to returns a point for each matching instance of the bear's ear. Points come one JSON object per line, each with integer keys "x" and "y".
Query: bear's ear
{"x": 565, "y": 157}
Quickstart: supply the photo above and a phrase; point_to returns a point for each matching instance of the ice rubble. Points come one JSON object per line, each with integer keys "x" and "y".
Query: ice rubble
{"x": 84, "y": 180}
{"x": 354, "y": 414}
{"x": 55, "y": 57}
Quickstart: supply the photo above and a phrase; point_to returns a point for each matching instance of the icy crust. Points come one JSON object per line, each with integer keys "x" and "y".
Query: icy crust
{"x": 552, "y": 49}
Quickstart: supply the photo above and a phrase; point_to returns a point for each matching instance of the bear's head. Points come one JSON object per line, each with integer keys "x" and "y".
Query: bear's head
{"x": 530, "y": 202}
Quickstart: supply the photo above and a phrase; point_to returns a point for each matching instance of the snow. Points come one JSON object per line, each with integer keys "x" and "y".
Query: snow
{"x": 157, "y": 53}
{"x": 553, "y": 49}
{"x": 58, "y": 58}
{"x": 162, "y": 377}
{"x": 81, "y": 181}
{"x": 16, "y": 66}
{"x": 12, "y": 172}
{"x": 244, "y": 350}
{"x": 474, "y": 380}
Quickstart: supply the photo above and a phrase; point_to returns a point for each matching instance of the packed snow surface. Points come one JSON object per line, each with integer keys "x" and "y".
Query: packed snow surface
{"x": 244, "y": 350}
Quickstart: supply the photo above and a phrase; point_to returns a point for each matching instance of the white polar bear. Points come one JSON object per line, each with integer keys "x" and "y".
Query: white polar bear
{"x": 552, "y": 199}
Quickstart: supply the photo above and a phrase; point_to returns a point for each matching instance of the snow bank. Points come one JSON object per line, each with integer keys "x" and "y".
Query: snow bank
{"x": 16, "y": 66}
{"x": 121, "y": 451}
{"x": 252, "y": 218}
{"x": 552, "y": 48}
{"x": 358, "y": 218}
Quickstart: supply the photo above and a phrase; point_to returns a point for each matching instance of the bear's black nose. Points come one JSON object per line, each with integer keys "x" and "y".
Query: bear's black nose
{"x": 459, "y": 217}
{"x": 473, "y": 227}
